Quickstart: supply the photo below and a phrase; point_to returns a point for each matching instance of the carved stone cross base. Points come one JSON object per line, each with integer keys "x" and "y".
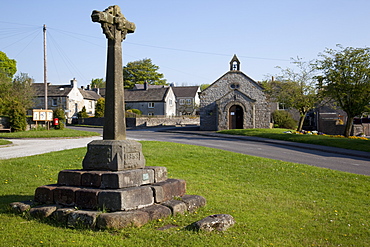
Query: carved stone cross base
{"x": 113, "y": 155}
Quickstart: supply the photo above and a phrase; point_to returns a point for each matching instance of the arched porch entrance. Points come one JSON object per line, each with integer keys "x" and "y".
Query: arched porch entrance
{"x": 236, "y": 116}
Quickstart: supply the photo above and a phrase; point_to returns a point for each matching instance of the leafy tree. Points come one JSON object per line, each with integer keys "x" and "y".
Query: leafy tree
{"x": 295, "y": 90}
{"x": 141, "y": 71}
{"x": 8, "y": 66}
{"x": 97, "y": 83}
{"x": 100, "y": 108}
{"x": 346, "y": 79}
{"x": 203, "y": 87}
{"x": 59, "y": 113}
{"x": 15, "y": 99}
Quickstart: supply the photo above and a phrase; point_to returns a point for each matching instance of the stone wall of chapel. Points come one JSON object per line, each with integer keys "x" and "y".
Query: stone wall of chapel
{"x": 215, "y": 103}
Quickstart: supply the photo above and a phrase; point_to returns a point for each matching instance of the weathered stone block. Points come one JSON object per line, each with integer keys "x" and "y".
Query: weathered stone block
{"x": 92, "y": 178}
{"x": 42, "y": 211}
{"x": 61, "y": 214}
{"x": 82, "y": 219}
{"x": 65, "y": 195}
{"x": 157, "y": 211}
{"x": 45, "y": 194}
{"x": 167, "y": 190}
{"x": 177, "y": 207}
{"x": 87, "y": 198}
{"x": 113, "y": 155}
{"x": 219, "y": 222}
{"x": 193, "y": 202}
{"x": 125, "y": 179}
{"x": 70, "y": 177}
{"x": 20, "y": 207}
{"x": 126, "y": 199}
{"x": 119, "y": 220}
{"x": 160, "y": 173}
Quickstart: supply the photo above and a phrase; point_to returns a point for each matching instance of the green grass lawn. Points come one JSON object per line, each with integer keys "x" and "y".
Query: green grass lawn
{"x": 49, "y": 134}
{"x": 274, "y": 203}
{"x": 4, "y": 142}
{"x": 348, "y": 143}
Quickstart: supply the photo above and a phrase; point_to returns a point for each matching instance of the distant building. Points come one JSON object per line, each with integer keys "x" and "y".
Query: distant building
{"x": 152, "y": 101}
{"x": 69, "y": 97}
{"x": 187, "y": 100}
{"x": 234, "y": 101}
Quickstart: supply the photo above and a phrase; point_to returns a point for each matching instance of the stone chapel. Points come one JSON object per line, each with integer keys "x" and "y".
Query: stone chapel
{"x": 234, "y": 101}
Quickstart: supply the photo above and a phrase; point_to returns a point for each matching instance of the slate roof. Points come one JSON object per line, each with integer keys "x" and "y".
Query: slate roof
{"x": 152, "y": 94}
{"x": 88, "y": 94}
{"x": 141, "y": 86}
{"x": 189, "y": 92}
{"x": 62, "y": 91}
{"x": 53, "y": 90}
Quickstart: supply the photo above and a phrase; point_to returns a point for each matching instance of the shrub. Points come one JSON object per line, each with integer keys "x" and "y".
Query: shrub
{"x": 82, "y": 113}
{"x": 59, "y": 113}
{"x": 17, "y": 117}
{"x": 99, "y": 107}
{"x": 283, "y": 119}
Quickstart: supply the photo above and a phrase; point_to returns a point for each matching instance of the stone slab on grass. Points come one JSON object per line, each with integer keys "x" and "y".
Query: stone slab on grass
{"x": 218, "y": 222}
{"x": 193, "y": 202}
{"x": 20, "y": 207}
{"x": 119, "y": 220}
{"x": 43, "y": 211}
{"x": 61, "y": 214}
{"x": 157, "y": 211}
{"x": 82, "y": 219}
{"x": 176, "y": 206}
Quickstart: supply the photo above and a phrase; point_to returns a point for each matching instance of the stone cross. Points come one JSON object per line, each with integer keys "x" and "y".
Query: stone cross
{"x": 115, "y": 27}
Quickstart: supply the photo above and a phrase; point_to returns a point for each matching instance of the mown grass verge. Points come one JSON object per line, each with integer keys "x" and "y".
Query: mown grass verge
{"x": 274, "y": 203}
{"x": 4, "y": 142}
{"x": 49, "y": 134}
{"x": 340, "y": 142}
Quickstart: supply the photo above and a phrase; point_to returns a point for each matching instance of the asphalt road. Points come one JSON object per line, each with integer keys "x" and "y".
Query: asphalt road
{"x": 336, "y": 159}
{"x": 326, "y": 157}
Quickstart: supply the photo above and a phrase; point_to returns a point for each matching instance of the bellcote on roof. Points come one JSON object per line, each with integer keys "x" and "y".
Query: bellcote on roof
{"x": 235, "y": 63}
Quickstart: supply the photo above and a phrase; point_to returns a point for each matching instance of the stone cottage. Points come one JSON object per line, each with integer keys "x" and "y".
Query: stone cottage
{"x": 234, "y": 101}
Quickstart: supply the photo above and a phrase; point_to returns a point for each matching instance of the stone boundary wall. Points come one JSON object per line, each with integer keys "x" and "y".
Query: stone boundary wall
{"x": 147, "y": 121}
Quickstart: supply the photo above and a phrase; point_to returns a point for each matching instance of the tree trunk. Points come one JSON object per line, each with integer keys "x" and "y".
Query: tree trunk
{"x": 300, "y": 122}
{"x": 349, "y": 124}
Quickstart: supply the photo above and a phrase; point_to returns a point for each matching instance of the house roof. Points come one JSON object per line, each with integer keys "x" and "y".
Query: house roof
{"x": 53, "y": 90}
{"x": 88, "y": 94}
{"x": 151, "y": 94}
{"x": 141, "y": 86}
{"x": 189, "y": 91}
{"x": 62, "y": 91}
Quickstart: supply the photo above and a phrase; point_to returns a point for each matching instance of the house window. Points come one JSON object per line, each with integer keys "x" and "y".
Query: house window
{"x": 188, "y": 101}
{"x": 54, "y": 102}
{"x": 170, "y": 102}
{"x": 150, "y": 114}
{"x": 90, "y": 104}
{"x": 151, "y": 105}
{"x": 182, "y": 102}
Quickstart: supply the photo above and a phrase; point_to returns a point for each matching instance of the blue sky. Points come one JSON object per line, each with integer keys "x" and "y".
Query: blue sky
{"x": 191, "y": 41}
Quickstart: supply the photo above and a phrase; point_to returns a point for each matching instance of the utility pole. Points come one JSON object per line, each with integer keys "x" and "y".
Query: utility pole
{"x": 45, "y": 72}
